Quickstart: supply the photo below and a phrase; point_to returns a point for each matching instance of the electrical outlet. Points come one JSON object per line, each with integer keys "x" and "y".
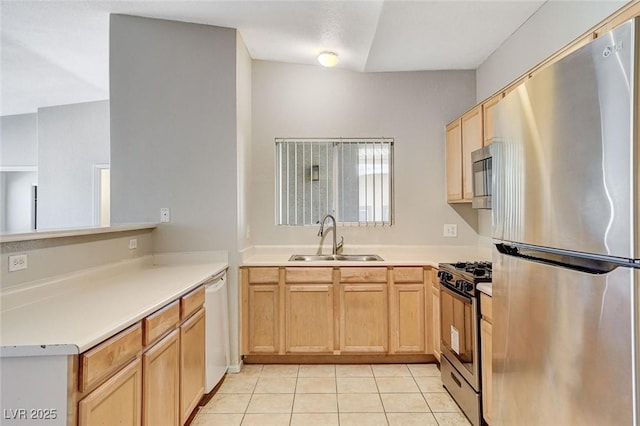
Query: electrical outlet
{"x": 450, "y": 230}
{"x": 133, "y": 243}
{"x": 165, "y": 215}
{"x": 17, "y": 262}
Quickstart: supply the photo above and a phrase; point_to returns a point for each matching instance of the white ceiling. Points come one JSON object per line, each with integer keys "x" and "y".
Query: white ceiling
{"x": 56, "y": 52}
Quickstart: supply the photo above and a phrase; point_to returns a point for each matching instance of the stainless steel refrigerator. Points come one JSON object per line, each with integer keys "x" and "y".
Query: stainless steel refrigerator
{"x": 566, "y": 255}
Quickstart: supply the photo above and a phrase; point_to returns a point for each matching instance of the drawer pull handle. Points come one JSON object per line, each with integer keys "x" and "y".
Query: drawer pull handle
{"x": 455, "y": 379}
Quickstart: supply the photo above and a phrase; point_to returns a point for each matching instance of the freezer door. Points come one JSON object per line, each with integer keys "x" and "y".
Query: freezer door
{"x": 564, "y": 153}
{"x": 562, "y": 344}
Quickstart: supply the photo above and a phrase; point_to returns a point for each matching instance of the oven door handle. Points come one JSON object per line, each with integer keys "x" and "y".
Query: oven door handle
{"x": 455, "y": 293}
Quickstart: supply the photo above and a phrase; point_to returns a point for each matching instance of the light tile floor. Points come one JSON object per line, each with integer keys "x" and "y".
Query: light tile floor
{"x": 319, "y": 395}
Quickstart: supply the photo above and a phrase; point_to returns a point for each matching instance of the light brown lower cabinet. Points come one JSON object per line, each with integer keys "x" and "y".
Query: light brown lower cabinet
{"x": 487, "y": 369}
{"x": 118, "y": 401}
{"x": 152, "y": 373}
{"x": 262, "y": 318}
{"x": 363, "y": 318}
{"x": 435, "y": 319}
{"x": 192, "y": 363}
{"x": 408, "y": 318}
{"x": 486, "y": 356}
{"x": 309, "y": 318}
{"x": 161, "y": 382}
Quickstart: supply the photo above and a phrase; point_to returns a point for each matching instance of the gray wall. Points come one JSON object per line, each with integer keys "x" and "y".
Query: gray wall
{"x": 55, "y": 256}
{"x": 19, "y": 140}
{"x": 173, "y": 130}
{"x": 413, "y": 107}
{"x": 179, "y": 136}
{"x": 71, "y": 140}
{"x": 554, "y": 25}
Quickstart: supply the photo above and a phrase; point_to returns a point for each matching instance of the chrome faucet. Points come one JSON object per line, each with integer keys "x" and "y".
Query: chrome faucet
{"x": 336, "y": 247}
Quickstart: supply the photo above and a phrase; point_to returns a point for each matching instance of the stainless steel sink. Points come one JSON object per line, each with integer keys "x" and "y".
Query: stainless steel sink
{"x": 339, "y": 257}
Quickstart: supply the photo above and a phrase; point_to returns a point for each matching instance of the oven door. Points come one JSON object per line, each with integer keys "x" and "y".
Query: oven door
{"x": 460, "y": 333}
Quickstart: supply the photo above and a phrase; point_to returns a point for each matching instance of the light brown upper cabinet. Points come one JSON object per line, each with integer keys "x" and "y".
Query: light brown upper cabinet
{"x": 454, "y": 162}
{"x": 627, "y": 12}
{"x": 463, "y": 136}
{"x": 487, "y": 118}
{"x": 471, "y": 123}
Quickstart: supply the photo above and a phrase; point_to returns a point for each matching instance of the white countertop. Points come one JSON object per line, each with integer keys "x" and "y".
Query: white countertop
{"x": 72, "y": 313}
{"x": 485, "y": 288}
{"x": 392, "y": 255}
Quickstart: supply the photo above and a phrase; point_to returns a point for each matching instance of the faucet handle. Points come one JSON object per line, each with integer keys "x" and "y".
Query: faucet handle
{"x": 339, "y": 245}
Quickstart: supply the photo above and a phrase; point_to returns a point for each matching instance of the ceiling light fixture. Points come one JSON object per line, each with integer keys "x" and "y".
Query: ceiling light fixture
{"x": 328, "y": 59}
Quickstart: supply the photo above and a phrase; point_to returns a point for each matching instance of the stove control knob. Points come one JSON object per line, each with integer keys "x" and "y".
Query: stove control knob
{"x": 468, "y": 287}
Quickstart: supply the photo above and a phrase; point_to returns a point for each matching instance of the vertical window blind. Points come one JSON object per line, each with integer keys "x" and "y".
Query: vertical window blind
{"x": 351, "y": 178}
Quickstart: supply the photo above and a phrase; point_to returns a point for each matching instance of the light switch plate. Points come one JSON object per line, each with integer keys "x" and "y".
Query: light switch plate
{"x": 450, "y": 230}
{"x": 165, "y": 215}
{"x": 133, "y": 243}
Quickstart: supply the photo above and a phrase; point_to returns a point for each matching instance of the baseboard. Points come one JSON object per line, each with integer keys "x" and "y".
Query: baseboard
{"x": 339, "y": 359}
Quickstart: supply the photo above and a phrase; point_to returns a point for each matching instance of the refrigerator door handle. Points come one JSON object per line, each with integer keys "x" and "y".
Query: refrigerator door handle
{"x": 582, "y": 262}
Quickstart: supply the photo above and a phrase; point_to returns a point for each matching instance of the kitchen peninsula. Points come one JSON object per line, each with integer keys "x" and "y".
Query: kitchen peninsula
{"x": 72, "y": 342}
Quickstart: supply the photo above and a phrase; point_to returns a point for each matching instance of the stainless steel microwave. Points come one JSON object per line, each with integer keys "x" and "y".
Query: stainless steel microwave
{"x": 481, "y": 164}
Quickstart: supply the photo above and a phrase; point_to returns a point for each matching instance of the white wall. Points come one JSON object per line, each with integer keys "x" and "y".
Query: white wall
{"x": 18, "y": 165}
{"x": 71, "y": 140}
{"x": 19, "y": 140}
{"x": 177, "y": 132}
{"x": 413, "y": 107}
{"x": 553, "y": 26}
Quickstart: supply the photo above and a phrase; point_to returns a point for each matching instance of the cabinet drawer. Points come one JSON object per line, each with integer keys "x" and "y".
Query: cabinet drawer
{"x": 158, "y": 323}
{"x": 191, "y": 302}
{"x": 408, "y": 275}
{"x": 363, "y": 275}
{"x": 485, "y": 307}
{"x": 264, "y": 275}
{"x": 103, "y": 360}
{"x": 308, "y": 275}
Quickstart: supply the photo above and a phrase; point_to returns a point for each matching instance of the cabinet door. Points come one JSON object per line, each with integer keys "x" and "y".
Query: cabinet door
{"x": 435, "y": 304}
{"x": 309, "y": 318}
{"x": 471, "y": 141}
{"x": 363, "y": 318}
{"x": 454, "y": 161}
{"x": 487, "y": 118}
{"x": 117, "y": 401}
{"x": 408, "y": 318}
{"x": 487, "y": 369}
{"x": 192, "y": 363}
{"x": 263, "y": 319}
{"x": 161, "y": 382}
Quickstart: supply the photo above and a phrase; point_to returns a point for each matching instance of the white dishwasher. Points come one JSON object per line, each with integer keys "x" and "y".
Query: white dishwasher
{"x": 217, "y": 330}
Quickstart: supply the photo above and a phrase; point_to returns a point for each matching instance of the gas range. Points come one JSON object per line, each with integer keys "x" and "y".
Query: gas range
{"x": 463, "y": 276}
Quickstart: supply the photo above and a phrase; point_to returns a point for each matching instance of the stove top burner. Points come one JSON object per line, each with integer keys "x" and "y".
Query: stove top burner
{"x": 465, "y": 275}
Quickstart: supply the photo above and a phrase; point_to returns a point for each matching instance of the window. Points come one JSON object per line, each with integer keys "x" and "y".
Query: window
{"x": 349, "y": 178}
